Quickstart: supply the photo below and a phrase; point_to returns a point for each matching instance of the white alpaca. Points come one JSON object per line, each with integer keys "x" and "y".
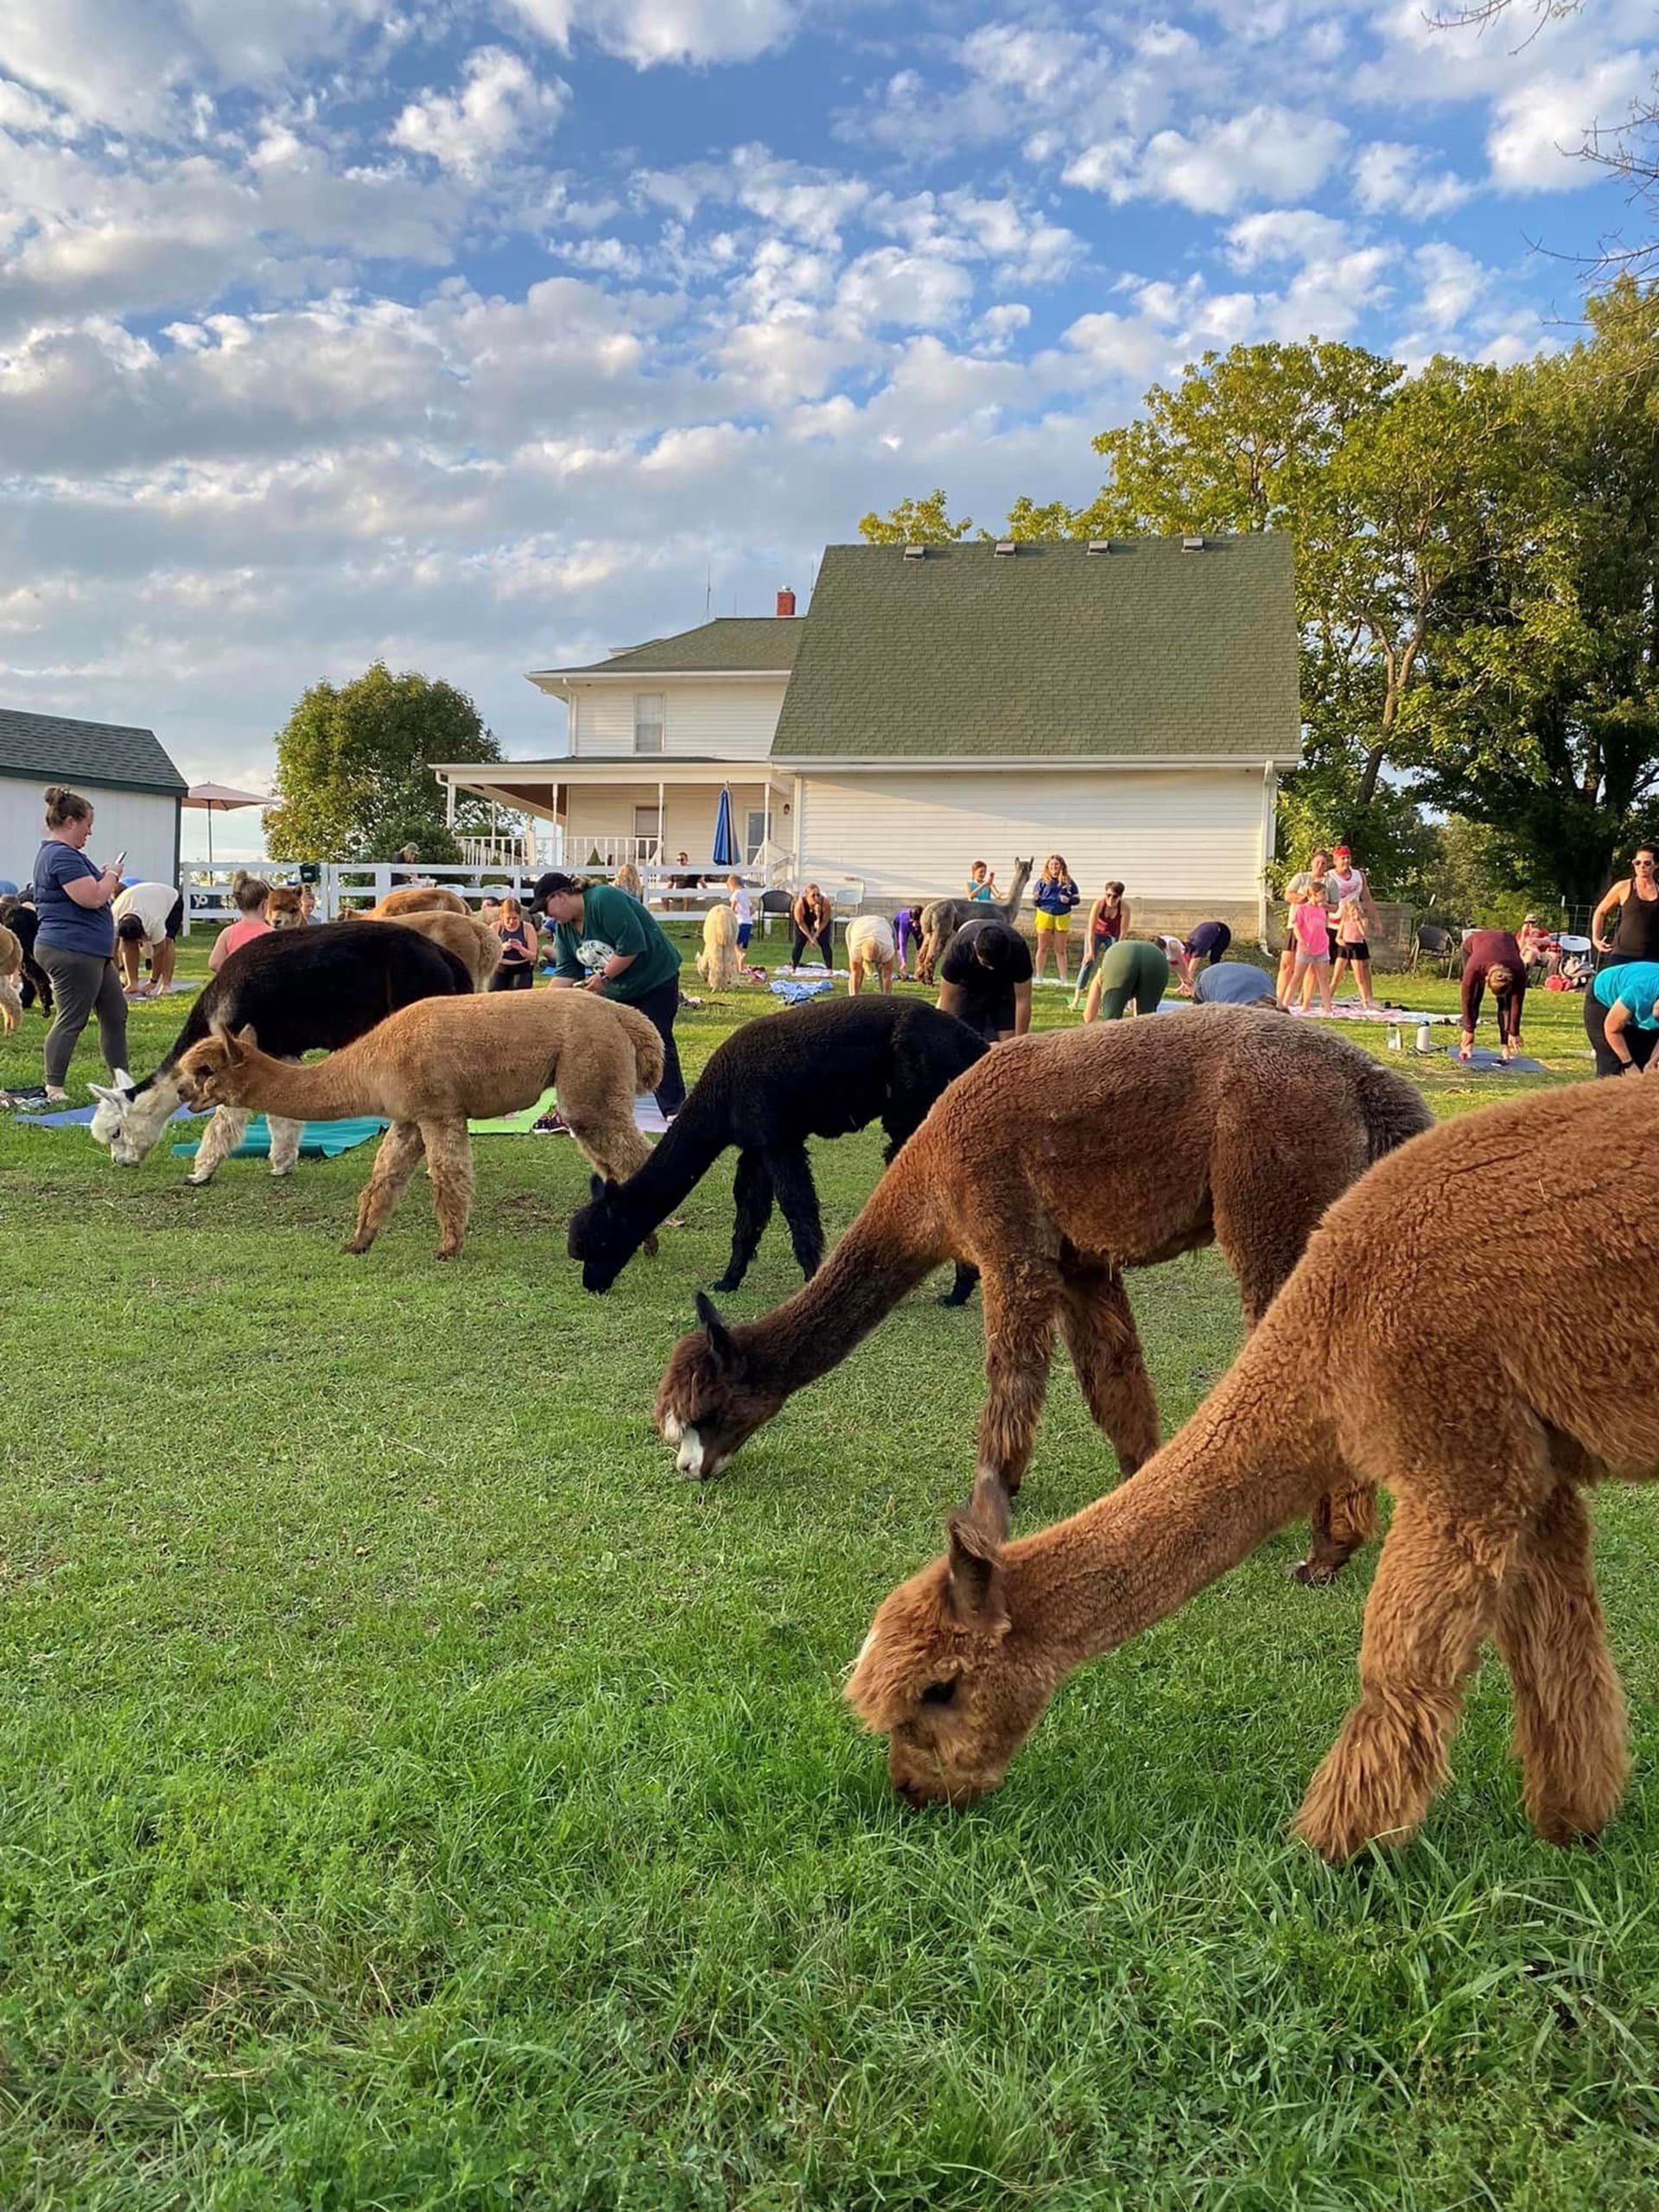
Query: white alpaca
{"x": 12, "y": 968}
{"x": 717, "y": 961}
{"x": 870, "y": 944}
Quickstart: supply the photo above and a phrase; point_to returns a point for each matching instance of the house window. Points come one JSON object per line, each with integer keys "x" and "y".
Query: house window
{"x": 647, "y": 721}
{"x": 754, "y": 833}
{"x": 647, "y": 833}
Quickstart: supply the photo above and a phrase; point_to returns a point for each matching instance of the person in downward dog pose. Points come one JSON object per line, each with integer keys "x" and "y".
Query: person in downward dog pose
{"x": 1194, "y": 1130}
{"x": 872, "y": 949}
{"x": 1493, "y": 960}
{"x": 1487, "y": 1440}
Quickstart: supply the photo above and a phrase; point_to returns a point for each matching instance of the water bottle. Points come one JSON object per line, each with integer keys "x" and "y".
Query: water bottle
{"x": 1425, "y": 1038}
{"x": 1393, "y": 1037}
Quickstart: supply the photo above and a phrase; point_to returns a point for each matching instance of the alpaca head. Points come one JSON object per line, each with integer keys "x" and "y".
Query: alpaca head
{"x": 710, "y": 1399}
{"x": 600, "y": 1236}
{"x": 216, "y": 1071}
{"x": 940, "y": 1674}
{"x": 127, "y": 1121}
{"x": 282, "y": 908}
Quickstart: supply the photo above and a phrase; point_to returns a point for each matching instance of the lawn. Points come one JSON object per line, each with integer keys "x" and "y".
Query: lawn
{"x": 416, "y": 1797}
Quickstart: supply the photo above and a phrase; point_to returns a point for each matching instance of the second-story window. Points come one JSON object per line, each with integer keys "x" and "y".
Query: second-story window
{"x": 647, "y": 721}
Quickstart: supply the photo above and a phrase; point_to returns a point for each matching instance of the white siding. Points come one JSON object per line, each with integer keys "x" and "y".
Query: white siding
{"x": 1174, "y": 837}
{"x": 142, "y": 822}
{"x": 595, "y": 811}
{"x": 708, "y": 720}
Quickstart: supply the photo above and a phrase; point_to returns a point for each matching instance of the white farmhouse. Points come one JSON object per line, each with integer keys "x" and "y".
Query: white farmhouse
{"x": 134, "y": 788}
{"x": 1129, "y": 703}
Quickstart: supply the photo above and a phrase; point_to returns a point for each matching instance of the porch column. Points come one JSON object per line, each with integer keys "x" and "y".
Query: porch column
{"x": 662, "y": 821}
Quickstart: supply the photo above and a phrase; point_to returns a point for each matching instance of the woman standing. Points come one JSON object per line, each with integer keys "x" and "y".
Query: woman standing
{"x": 1054, "y": 898}
{"x": 1637, "y": 898}
{"x": 75, "y": 943}
{"x": 519, "y": 948}
{"x": 1108, "y": 919}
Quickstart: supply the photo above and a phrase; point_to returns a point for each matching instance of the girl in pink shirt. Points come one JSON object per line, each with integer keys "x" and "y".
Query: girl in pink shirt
{"x": 250, "y": 893}
{"x": 1310, "y": 934}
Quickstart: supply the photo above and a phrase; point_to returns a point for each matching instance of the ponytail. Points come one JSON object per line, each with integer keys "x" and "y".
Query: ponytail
{"x": 63, "y": 805}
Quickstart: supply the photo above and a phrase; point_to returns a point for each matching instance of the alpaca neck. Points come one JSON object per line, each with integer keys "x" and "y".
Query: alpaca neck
{"x": 1011, "y": 905}
{"x": 329, "y": 1091}
{"x": 678, "y": 1162}
{"x": 1243, "y": 1466}
{"x": 885, "y": 1254}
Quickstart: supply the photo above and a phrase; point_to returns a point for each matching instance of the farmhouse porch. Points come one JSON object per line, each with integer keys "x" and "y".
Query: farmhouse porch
{"x": 604, "y": 811}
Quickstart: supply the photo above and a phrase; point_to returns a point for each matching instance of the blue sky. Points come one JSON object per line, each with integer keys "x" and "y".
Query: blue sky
{"x": 480, "y": 333}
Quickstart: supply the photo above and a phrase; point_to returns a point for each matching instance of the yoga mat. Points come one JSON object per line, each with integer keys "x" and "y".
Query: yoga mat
{"x": 798, "y": 994}
{"x": 647, "y": 1115}
{"x": 318, "y": 1140}
{"x": 78, "y": 1117}
{"x": 1484, "y": 1061}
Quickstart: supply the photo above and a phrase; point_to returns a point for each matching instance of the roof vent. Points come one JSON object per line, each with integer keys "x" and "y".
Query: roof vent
{"x": 915, "y": 552}
{"x": 1193, "y": 545}
{"x": 1004, "y": 547}
{"x": 1100, "y": 545}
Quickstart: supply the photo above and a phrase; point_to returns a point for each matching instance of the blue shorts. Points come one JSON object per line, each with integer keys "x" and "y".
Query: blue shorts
{"x": 745, "y": 929}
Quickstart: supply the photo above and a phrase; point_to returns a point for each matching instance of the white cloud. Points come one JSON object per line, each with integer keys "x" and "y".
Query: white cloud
{"x": 1283, "y": 234}
{"x": 889, "y": 288}
{"x": 500, "y": 104}
{"x": 1267, "y": 153}
{"x": 1453, "y": 281}
{"x": 649, "y": 32}
{"x": 1391, "y": 177}
{"x": 1537, "y": 129}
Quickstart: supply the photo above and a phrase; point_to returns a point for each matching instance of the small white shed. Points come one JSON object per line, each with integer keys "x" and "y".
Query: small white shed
{"x": 133, "y": 786}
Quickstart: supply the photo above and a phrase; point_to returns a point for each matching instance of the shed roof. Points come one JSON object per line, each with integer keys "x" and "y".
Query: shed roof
{"x": 744, "y": 643}
{"x": 60, "y": 750}
{"x": 1147, "y": 650}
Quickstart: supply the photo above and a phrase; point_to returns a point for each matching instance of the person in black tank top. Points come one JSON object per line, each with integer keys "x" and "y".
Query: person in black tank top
{"x": 1637, "y": 937}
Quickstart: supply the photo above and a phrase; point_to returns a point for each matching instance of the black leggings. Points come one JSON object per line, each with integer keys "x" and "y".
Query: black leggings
{"x": 513, "y": 975}
{"x": 1640, "y": 1042}
{"x": 83, "y": 983}
{"x": 659, "y": 1008}
{"x": 798, "y": 956}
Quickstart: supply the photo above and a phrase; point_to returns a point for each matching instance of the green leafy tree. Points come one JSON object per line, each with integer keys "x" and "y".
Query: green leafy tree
{"x": 914, "y": 522}
{"x": 354, "y": 768}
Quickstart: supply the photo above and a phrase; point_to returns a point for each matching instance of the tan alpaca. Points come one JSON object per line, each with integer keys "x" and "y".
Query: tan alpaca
{"x": 717, "y": 962}
{"x": 282, "y": 908}
{"x": 11, "y": 969}
{"x": 1052, "y": 1165}
{"x": 474, "y": 944}
{"x": 416, "y": 899}
{"x": 432, "y": 1067}
{"x": 1495, "y": 1358}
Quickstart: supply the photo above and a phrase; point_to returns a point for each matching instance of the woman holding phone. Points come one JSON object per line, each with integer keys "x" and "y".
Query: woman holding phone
{"x": 75, "y": 943}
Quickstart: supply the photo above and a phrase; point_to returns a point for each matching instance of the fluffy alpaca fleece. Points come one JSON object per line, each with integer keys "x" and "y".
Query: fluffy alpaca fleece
{"x": 434, "y": 1066}
{"x": 417, "y": 898}
{"x": 717, "y": 963}
{"x": 942, "y": 918}
{"x": 307, "y": 990}
{"x": 1487, "y": 1438}
{"x": 11, "y": 972}
{"x": 871, "y": 944}
{"x": 817, "y": 1071}
{"x": 1223, "y": 1124}
{"x": 473, "y": 943}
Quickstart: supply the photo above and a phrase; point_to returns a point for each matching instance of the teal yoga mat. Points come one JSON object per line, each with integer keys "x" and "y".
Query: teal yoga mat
{"x": 318, "y": 1140}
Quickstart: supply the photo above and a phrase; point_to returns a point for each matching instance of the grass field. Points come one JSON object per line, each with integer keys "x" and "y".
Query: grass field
{"x": 414, "y": 1795}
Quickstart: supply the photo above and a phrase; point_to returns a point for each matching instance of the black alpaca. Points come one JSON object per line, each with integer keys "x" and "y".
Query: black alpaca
{"x": 818, "y": 1071}
{"x": 21, "y": 918}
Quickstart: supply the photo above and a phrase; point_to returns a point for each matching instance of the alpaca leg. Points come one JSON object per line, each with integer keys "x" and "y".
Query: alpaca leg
{"x": 1433, "y": 1600}
{"x": 1569, "y": 1706}
{"x": 284, "y": 1143}
{"x": 219, "y": 1140}
{"x": 400, "y": 1153}
{"x": 752, "y": 1211}
{"x": 1100, "y": 1334}
{"x": 1020, "y": 1307}
{"x": 962, "y": 1284}
{"x": 11, "y": 1008}
{"x": 1342, "y": 1520}
{"x": 797, "y": 1201}
{"x": 449, "y": 1160}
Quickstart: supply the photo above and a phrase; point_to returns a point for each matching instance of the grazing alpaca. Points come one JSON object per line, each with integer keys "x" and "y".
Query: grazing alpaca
{"x": 942, "y": 918}
{"x": 717, "y": 962}
{"x": 305, "y": 991}
{"x": 432, "y": 1067}
{"x": 11, "y": 969}
{"x": 1171, "y": 1134}
{"x": 870, "y": 944}
{"x": 417, "y": 898}
{"x": 473, "y": 943}
{"x": 1486, "y": 1431}
{"x": 17, "y": 915}
{"x": 821, "y": 1070}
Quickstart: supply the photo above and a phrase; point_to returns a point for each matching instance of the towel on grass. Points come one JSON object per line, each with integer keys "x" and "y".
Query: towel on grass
{"x": 1484, "y": 1061}
{"x": 797, "y": 993}
{"x": 318, "y": 1140}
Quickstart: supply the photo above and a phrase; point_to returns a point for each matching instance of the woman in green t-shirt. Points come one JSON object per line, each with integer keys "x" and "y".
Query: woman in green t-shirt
{"x": 605, "y": 942}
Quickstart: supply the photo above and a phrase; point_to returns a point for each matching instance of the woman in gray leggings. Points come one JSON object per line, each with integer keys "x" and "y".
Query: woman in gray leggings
{"x": 75, "y": 943}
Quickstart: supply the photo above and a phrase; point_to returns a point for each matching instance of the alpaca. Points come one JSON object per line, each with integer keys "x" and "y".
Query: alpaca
{"x": 18, "y": 915}
{"x": 1171, "y": 1133}
{"x": 415, "y": 899}
{"x": 942, "y": 918}
{"x": 11, "y": 969}
{"x": 870, "y": 944}
{"x": 282, "y": 908}
{"x": 717, "y": 962}
{"x": 820, "y": 1070}
{"x": 432, "y": 1067}
{"x": 473, "y": 943}
{"x": 1486, "y": 1433}
{"x": 306, "y": 989}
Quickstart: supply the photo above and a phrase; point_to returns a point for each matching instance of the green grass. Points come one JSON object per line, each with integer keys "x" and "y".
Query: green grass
{"x": 414, "y": 1795}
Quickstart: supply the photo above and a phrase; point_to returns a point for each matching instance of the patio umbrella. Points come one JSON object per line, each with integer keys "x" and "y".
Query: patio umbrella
{"x": 725, "y": 851}
{"x": 220, "y": 799}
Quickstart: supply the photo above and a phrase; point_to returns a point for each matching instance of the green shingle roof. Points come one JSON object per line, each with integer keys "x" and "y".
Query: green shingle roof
{"x": 734, "y": 641}
{"x": 60, "y": 750}
{"x": 1051, "y": 651}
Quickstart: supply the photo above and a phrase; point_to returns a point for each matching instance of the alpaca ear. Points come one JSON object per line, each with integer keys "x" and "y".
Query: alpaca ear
{"x": 123, "y": 1081}
{"x": 720, "y": 1337}
{"x": 974, "y": 1578}
{"x": 247, "y": 1038}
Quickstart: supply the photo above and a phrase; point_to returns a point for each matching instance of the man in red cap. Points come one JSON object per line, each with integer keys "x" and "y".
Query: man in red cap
{"x": 1356, "y": 915}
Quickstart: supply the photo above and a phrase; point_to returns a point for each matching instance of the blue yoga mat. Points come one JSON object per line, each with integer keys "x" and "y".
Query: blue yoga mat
{"x": 797, "y": 993}
{"x": 1484, "y": 1061}
{"x": 75, "y": 1117}
{"x": 318, "y": 1140}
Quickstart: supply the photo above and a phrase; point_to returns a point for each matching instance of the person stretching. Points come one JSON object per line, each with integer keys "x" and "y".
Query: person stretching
{"x": 1492, "y": 957}
{"x": 1621, "y": 1017}
{"x": 985, "y": 980}
{"x": 147, "y": 919}
{"x": 815, "y": 923}
{"x": 605, "y": 942}
{"x": 1131, "y": 968}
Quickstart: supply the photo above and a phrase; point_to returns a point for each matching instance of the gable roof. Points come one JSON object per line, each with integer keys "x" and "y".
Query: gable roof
{"x": 745, "y": 644}
{"x": 60, "y": 750}
{"x": 1051, "y": 651}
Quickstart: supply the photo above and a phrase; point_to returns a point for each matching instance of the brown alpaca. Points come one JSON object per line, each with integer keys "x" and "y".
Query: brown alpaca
{"x": 11, "y": 974}
{"x": 1052, "y": 1165}
{"x": 282, "y": 908}
{"x": 1479, "y": 1307}
{"x": 433, "y": 1066}
{"x": 942, "y": 918}
{"x": 417, "y": 898}
{"x": 474, "y": 944}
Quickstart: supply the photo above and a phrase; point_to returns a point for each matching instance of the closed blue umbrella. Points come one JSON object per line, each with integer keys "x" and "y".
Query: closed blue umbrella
{"x": 724, "y": 852}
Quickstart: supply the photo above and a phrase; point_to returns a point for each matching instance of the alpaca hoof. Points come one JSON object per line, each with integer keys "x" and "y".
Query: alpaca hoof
{"x": 448, "y": 1252}
{"x": 726, "y": 1282}
{"x": 355, "y": 1248}
{"x": 197, "y": 1182}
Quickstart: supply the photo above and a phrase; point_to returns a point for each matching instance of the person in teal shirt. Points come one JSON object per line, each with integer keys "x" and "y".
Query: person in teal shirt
{"x": 1621, "y": 1016}
{"x": 603, "y": 941}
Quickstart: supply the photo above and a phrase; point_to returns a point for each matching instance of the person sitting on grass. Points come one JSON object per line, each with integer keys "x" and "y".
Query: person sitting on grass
{"x": 985, "y": 980}
{"x": 147, "y": 919}
{"x": 1492, "y": 959}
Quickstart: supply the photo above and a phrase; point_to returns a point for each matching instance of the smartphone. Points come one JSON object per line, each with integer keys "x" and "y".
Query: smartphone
{"x": 118, "y": 862}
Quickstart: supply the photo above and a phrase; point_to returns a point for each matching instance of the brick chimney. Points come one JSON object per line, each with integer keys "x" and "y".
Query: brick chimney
{"x": 785, "y": 600}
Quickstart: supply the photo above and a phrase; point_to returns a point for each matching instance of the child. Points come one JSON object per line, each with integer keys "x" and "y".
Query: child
{"x": 741, "y": 903}
{"x": 248, "y": 895}
{"x": 1310, "y": 934}
{"x": 982, "y": 884}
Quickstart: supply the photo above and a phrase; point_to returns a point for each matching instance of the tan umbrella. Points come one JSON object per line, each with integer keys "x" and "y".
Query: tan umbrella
{"x": 220, "y": 799}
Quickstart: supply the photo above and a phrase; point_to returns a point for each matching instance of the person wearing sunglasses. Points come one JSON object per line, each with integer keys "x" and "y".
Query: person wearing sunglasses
{"x": 1637, "y": 937}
